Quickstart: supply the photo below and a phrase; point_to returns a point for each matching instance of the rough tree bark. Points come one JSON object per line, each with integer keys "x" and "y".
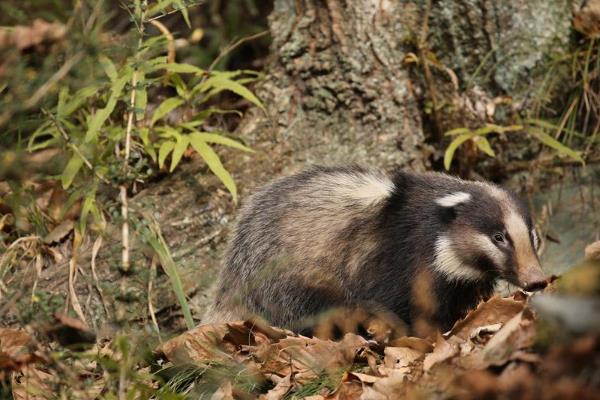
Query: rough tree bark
{"x": 348, "y": 81}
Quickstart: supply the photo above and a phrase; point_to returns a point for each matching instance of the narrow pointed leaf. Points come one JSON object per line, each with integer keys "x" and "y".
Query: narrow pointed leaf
{"x": 76, "y": 101}
{"x": 71, "y": 169}
{"x": 219, "y": 83}
{"x": 218, "y": 139}
{"x": 449, "y": 154}
{"x": 164, "y": 151}
{"x": 214, "y": 163}
{"x": 178, "y": 68}
{"x": 484, "y": 145}
{"x": 178, "y": 150}
{"x": 457, "y": 131}
{"x": 184, "y": 11}
{"x": 148, "y": 145}
{"x": 98, "y": 119}
{"x": 109, "y": 68}
{"x": 166, "y": 107}
{"x": 141, "y": 97}
{"x": 555, "y": 144}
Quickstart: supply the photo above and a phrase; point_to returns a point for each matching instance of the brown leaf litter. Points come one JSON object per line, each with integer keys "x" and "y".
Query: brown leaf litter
{"x": 494, "y": 352}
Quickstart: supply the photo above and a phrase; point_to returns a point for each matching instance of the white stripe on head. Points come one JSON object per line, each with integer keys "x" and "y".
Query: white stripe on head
{"x": 448, "y": 263}
{"x": 516, "y": 227}
{"x": 453, "y": 199}
{"x": 536, "y": 239}
{"x": 365, "y": 188}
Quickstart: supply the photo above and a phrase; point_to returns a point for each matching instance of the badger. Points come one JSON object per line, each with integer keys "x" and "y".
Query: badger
{"x": 343, "y": 236}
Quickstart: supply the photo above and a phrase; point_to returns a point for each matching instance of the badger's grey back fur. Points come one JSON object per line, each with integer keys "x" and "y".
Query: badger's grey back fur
{"x": 348, "y": 235}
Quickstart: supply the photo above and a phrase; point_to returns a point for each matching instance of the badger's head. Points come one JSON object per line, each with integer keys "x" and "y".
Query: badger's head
{"x": 487, "y": 233}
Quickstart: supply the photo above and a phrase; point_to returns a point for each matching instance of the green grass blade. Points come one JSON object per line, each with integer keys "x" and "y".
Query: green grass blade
{"x": 555, "y": 144}
{"x": 159, "y": 245}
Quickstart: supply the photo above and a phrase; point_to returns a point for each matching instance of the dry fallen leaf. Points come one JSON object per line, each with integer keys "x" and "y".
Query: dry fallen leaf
{"x": 496, "y": 310}
{"x": 70, "y": 331}
{"x": 280, "y": 390}
{"x": 23, "y": 37}
{"x": 587, "y": 19}
{"x": 443, "y": 351}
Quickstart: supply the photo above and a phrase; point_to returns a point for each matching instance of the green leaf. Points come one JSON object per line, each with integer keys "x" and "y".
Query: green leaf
{"x": 552, "y": 127}
{"x": 46, "y": 128}
{"x": 149, "y": 65}
{"x": 449, "y": 154}
{"x": 141, "y": 97}
{"x": 214, "y": 163}
{"x": 98, "y": 119}
{"x": 184, "y": 11}
{"x": 180, "y": 85}
{"x": 484, "y": 145}
{"x": 77, "y": 100}
{"x": 148, "y": 146}
{"x": 159, "y": 7}
{"x": 555, "y": 144}
{"x": 178, "y": 150}
{"x": 164, "y": 151}
{"x": 63, "y": 95}
{"x": 70, "y": 171}
{"x": 218, "y": 83}
{"x": 218, "y": 139}
{"x": 178, "y": 68}
{"x": 457, "y": 131}
{"x": 88, "y": 205}
{"x": 165, "y": 107}
{"x": 109, "y": 68}
{"x": 166, "y": 260}
{"x": 489, "y": 128}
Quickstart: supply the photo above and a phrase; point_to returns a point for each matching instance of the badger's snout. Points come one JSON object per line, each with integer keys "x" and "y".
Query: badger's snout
{"x": 532, "y": 278}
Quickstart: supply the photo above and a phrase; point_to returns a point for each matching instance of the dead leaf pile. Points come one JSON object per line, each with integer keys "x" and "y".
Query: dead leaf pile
{"x": 494, "y": 352}
{"x": 489, "y": 353}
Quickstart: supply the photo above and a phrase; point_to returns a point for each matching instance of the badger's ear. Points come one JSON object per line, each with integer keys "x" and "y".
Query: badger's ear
{"x": 447, "y": 204}
{"x": 452, "y": 200}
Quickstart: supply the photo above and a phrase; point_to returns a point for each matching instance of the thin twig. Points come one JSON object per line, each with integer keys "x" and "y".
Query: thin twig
{"x": 73, "y": 146}
{"x": 123, "y": 188}
{"x": 58, "y": 75}
{"x": 45, "y": 88}
{"x": 124, "y": 228}
{"x": 188, "y": 6}
{"x": 233, "y": 46}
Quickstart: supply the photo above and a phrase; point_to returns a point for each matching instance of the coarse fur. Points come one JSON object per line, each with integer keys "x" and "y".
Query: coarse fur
{"x": 344, "y": 236}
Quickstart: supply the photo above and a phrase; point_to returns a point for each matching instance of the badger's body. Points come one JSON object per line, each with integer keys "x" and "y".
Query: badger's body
{"x": 346, "y": 236}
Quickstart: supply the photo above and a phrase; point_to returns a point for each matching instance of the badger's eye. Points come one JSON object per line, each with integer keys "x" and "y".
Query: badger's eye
{"x": 498, "y": 237}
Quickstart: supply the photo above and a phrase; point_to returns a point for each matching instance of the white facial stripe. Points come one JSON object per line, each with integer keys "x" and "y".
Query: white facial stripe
{"x": 448, "y": 263}
{"x": 536, "y": 239}
{"x": 453, "y": 199}
{"x": 518, "y": 231}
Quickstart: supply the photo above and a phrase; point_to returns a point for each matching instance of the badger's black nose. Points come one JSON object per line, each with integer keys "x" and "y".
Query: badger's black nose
{"x": 532, "y": 278}
{"x": 535, "y": 286}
